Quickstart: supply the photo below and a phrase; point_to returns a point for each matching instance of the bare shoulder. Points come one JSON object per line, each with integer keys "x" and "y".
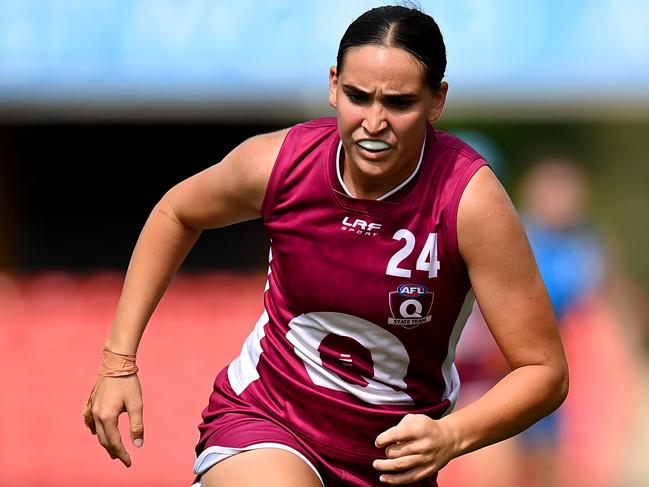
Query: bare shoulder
{"x": 256, "y": 156}
{"x": 486, "y": 216}
{"x": 251, "y": 162}
{"x": 230, "y": 191}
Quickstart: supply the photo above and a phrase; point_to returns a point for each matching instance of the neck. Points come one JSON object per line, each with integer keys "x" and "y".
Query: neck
{"x": 360, "y": 185}
{"x": 372, "y": 188}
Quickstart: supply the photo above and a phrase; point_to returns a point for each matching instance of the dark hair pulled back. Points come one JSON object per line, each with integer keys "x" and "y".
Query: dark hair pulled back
{"x": 406, "y": 28}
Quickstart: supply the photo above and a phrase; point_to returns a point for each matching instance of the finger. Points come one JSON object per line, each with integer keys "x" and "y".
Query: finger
{"x": 407, "y": 477}
{"x": 112, "y": 439}
{"x": 398, "y": 464}
{"x": 101, "y": 436}
{"x": 399, "y": 433}
{"x": 88, "y": 418}
{"x": 115, "y": 440}
{"x": 403, "y": 449}
{"x": 390, "y": 436}
{"x": 136, "y": 422}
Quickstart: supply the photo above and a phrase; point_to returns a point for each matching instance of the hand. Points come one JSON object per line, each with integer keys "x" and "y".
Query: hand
{"x": 415, "y": 448}
{"x": 110, "y": 397}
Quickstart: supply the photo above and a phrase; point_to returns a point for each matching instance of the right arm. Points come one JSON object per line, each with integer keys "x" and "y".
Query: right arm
{"x": 229, "y": 192}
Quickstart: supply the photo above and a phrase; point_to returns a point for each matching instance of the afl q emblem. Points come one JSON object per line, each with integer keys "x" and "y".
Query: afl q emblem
{"x": 410, "y": 305}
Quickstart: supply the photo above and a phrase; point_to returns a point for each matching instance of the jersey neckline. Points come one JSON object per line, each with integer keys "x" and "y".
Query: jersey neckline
{"x": 393, "y": 190}
{"x": 379, "y": 206}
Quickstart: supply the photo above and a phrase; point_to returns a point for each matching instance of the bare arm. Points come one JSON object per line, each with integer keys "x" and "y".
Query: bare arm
{"x": 517, "y": 309}
{"x": 226, "y": 193}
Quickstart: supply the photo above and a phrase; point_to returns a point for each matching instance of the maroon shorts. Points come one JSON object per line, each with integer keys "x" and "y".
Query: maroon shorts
{"x": 232, "y": 424}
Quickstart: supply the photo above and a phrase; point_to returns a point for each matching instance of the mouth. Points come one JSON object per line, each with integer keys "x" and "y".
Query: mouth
{"x": 374, "y": 146}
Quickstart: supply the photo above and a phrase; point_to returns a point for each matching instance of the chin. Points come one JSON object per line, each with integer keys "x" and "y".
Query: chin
{"x": 375, "y": 167}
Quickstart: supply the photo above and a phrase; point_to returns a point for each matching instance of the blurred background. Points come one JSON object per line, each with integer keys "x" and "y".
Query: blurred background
{"x": 106, "y": 104}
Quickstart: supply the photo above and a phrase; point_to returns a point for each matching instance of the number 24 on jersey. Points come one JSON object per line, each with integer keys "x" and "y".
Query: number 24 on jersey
{"x": 427, "y": 260}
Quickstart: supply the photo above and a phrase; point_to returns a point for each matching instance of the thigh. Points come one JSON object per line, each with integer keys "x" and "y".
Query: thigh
{"x": 270, "y": 467}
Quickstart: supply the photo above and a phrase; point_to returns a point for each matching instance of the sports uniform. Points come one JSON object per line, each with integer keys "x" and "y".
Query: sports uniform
{"x": 364, "y": 305}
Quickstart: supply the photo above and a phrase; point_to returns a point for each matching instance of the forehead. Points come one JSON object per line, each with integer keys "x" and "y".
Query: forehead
{"x": 388, "y": 68}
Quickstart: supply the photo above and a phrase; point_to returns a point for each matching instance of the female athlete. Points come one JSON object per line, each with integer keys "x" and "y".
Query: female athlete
{"x": 383, "y": 232}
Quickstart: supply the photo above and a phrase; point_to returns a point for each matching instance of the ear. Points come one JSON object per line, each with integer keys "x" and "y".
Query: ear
{"x": 333, "y": 86}
{"x": 439, "y": 100}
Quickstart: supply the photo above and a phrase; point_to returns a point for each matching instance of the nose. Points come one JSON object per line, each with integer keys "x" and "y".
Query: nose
{"x": 374, "y": 121}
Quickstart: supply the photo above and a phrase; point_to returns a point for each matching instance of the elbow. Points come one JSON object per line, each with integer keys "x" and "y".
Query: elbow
{"x": 166, "y": 207}
{"x": 565, "y": 384}
{"x": 562, "y": 385}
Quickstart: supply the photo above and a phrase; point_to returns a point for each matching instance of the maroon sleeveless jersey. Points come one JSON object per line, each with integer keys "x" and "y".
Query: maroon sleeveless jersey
{"x": 365, "y": 299}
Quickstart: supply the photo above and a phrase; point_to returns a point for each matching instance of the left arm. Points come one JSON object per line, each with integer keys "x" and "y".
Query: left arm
{"x": 517, "y": 309}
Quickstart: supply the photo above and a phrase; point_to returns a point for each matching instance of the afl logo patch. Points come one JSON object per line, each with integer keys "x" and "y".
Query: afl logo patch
{"x": 412, "y": 290}
{"x": 410, "y": 305}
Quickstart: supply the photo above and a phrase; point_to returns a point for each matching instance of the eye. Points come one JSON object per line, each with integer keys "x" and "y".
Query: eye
{"x": 357, "y": 98}
{"x": 398, "y": 104}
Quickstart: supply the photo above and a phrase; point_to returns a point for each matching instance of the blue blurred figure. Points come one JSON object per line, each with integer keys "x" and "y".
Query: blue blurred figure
{"x": 571, "y": 260}
{"x": 566, "y": 246}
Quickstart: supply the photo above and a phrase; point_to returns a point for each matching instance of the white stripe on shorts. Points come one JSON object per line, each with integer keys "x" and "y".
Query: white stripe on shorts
{"x": 215, "y": 454}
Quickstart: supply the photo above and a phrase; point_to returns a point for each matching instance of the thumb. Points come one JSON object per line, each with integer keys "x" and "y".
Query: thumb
{"x": 136, "y": 423}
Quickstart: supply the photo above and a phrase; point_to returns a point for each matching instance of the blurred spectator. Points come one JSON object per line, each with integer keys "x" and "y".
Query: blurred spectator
{"x": 584, "y": 442}
{"x": 566, "y": 245}
{"x": 571, "y": 259}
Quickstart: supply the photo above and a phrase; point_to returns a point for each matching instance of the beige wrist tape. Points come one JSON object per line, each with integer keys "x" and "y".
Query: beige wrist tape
{"x": 117, "y": 364}
{"x": 113, "y": 365}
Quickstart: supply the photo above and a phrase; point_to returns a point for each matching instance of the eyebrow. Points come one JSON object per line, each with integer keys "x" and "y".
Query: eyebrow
{"x": 396, "y": 96}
